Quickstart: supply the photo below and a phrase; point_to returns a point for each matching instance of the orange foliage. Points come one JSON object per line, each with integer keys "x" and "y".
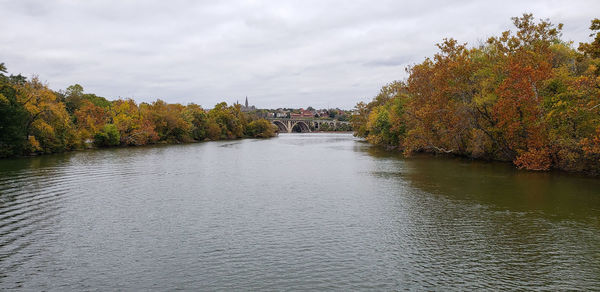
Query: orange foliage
{"x": 526, "y": 97}
{"x": 534, "y": 159}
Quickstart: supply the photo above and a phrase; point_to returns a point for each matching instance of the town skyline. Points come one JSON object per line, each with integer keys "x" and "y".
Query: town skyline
{"x": 249, "y": 106}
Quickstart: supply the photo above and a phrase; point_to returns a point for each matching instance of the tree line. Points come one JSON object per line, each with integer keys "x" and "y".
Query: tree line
{"x": 36, "y": 120}
{"x": 525, "y": 96}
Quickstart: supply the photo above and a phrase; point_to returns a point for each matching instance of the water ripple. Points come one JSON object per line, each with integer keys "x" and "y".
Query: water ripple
{"x": 298, "y": 212}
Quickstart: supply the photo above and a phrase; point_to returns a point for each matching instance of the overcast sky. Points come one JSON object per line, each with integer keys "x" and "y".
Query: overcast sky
{"x": 278, "y": 53}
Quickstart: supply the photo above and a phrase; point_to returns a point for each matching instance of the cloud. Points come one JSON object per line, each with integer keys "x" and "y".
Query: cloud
{"x": 278, "y": 53}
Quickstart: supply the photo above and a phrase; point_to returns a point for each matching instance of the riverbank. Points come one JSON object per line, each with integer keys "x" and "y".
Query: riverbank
{"x": 385, "y": 151}
{"x": 397, "y": 150}
{"x": 93, "y": 148}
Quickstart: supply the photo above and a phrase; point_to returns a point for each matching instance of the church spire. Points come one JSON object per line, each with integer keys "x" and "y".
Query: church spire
{"x": 246, "y": 101}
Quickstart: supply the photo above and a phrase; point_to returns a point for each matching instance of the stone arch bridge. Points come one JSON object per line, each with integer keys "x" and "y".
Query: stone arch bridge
{"x": 307, "y": 125}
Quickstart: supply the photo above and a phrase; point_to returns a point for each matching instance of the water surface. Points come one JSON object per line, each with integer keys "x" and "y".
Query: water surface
{"x": 296, "y": 212}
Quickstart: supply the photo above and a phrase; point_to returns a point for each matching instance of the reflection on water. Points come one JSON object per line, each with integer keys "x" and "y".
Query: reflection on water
{"x": 300, "y": 211}
{"x": 499, "y": 185}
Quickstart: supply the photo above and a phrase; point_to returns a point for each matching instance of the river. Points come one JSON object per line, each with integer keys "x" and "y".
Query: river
{"x": 296, "y": 212}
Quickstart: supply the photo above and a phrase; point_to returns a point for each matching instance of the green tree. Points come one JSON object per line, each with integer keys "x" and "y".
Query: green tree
{"x": 108, "y": 136}
{"x": 73, "y": 97}
{"x": 260, "y": 129}
{"x": 199, "y": 121}
{"x": 13, "y": 117}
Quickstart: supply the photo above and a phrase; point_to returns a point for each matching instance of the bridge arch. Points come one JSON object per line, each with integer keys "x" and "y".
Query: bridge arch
{"x": 300, "y": 127}
{"x": 289, "y": 125}
{"x": 281, "y": 126}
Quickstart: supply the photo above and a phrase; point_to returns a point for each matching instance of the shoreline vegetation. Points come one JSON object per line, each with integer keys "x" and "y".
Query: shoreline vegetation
{"x": 36, "y": 120}
{"x": 526, "y": 97}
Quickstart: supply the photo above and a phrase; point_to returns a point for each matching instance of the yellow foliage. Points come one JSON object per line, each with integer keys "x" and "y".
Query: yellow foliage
{"x": 33, "y": 144}
{"x": 3, "y": 99}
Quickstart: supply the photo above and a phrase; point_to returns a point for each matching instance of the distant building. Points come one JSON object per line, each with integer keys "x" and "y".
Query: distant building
{"x": 303, "y": 114}
{"x": 246, "y": 108}
{"x": 282, "y": 114}
{"x": 323, "y": 113}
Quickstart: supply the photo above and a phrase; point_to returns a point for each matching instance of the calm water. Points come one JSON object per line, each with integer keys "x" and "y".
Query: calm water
{"x": 297, "y": 212}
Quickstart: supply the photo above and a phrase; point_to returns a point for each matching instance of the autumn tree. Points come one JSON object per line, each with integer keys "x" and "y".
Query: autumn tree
{"x": 134, "y": 128}
{"x": 48, "y": 125}
{"x": 229, "y": 119}
{"x": 169, "y": 121}
{"x": 89, "y": 120}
